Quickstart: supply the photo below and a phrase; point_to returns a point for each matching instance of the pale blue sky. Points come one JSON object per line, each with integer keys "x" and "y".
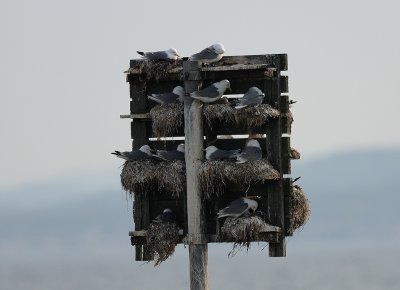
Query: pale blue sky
{"x": 62, "y": 87}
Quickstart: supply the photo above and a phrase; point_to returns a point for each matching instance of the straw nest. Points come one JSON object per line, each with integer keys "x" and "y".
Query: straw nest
{"x": 162, "y": 239}
{"x": 215, "y": 174}
{"x": 242, "y": 231}
{"x": 148, "y": 175}
{"x": 294, "y": 154}
{"x": 299, "y": 209}
{"x": 156, "y": 69}
{"x": 248, "y": 117}
{"x": 167, "y": 119}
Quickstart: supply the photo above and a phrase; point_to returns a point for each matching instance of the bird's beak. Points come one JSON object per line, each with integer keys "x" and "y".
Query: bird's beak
{"x": 229, "y": 88}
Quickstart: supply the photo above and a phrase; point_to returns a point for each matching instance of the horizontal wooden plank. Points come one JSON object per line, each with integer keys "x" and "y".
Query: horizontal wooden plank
{"x": 136, "y": 116}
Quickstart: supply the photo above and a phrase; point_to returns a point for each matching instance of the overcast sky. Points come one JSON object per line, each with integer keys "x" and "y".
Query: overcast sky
{"x": 62, "y": 87}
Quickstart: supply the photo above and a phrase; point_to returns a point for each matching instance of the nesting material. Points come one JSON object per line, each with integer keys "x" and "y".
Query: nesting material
{"x": 215, "y": 174}
{"x": 299, "y": 209}
{"x": 167, "y": 119}
{"x": 148, "y": 175}
{"x": 248, "y": 117}
{"x": 162, "y": 239}
{"x": 156, "y": 69}
{"x": 294, "y": 154}
{"x": 242, "y": 231}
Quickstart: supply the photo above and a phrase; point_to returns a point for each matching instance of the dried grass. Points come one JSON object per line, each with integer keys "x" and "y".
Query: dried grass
{"x": 156, "y": 69}
{"x": 248, "y": 117}
{"x": 148, "y": 175}
{"x": 215, "y": 174}
{"x": 299, "y": 210}
{"x": 294, "y": 154}
{"x": 167, "y": 119}
{"x": 162, "y": 239}
{"x": 242, "y": 231}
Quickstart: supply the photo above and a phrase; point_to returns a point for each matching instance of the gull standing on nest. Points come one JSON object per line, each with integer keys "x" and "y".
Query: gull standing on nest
{"x": 212, "y": 93}
{"x": 175, "y": 96}
{"x": 210, "y": 54}
{"x": 239, "y": 207}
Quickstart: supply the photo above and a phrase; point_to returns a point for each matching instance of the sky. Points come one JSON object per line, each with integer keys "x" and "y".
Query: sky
{"x": 62, "y": 86}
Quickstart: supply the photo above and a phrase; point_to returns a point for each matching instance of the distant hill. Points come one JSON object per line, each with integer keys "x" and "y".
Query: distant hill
{"x": 351, "y": 195}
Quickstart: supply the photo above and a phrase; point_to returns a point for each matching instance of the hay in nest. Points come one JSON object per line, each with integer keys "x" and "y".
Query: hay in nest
{"x": 162, "y": 239}
{"x": 215, "y": 174}
{"x": 242, "y": 231}
{"x": 299, "y": 209}
{"x": 157, "y": 69}
{"x": 294, "y": 154}
{"x": 248, "y": 117}
{"x": 147, "y": 175}
{"x": 167, "y": 119}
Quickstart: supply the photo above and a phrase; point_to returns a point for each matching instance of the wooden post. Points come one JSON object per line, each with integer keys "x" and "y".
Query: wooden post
{"x": 194, "y": 138}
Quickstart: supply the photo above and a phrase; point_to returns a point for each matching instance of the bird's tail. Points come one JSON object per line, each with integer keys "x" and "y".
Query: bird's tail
{"x": 140, "y": 52}
{"x": 240, "y": 107}
{"x": 234, "y": 153}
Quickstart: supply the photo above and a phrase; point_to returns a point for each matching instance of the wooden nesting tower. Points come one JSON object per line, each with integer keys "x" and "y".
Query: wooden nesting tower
{"x": 195, "y": 214}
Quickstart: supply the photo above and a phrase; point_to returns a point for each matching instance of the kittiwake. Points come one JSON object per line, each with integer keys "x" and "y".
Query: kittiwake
{"x": 210, "y": 54}
{"x": 212, "y": 93}
{"x": 214, "y": 153}
{"x": 252, "y": 151}
{"x": 253, "y": 97}
{"x": 178, "y": 154}
{"x": 166, "y": 216}
{"x": 167, "y": 98}
{"x": 142, "y": 153}
{"x": 169, "y": 54}
{"x": 239, "y": 207}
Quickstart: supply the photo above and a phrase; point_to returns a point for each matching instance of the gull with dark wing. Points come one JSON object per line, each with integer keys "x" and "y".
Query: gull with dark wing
{"x": 169, "y": 54}
{"x": 211, "y": 93}
{"x": 166, "y": 216}
{"x": 175, "y": 96}
{"x": 252, "y": 98}
{"x": 252, "y": 151}
{"x": 143, "y": 153}
{"x": 178, "y": 154}
{"x": 210, "y": 54}
{"x": 239, "y": 207}
{"x": 214, "y": 153}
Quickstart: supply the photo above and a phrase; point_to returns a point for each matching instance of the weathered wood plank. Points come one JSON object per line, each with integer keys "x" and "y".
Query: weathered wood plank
{"x": 287, "y": 188}
{"x": 198, "y": 249}
{"x": 284, "y": 84}
{"x": 286, "y": 167}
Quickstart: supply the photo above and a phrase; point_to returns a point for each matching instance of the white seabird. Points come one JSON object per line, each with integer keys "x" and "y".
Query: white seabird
{"x": 252, "y": 151}
{"x": 212, "y": 93}
{"x": 166, "y": 216}
{"x": 253, "y": 97}
{"x": 169, "y": 54}
{"x": 210, "y": 54}
{"x": 142, "y": 153}
{"x": 167, "y": 98}
{"x": 214, "y": 153}
{"x": 178, "y": 154}
{"x": 238, "y": 207}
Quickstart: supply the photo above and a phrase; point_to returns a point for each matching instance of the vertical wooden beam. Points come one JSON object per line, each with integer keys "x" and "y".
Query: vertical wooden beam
{"x": 139, "y": 137}
{"x": 275, "y": 192}
{"x": 198, "y": 251}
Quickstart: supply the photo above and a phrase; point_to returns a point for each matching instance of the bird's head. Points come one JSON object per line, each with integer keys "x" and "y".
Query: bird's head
{"x": 218, "y": 48}
{"x": 181, "y": 148}
{"x": 173, "y": 52}
{"x": 253, "y": 143}
{"x": 178, "y": 90}
{"x": 210, "y": 149}
{"x": 225, "y": 84}
{"x": 146, "y": 149}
